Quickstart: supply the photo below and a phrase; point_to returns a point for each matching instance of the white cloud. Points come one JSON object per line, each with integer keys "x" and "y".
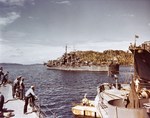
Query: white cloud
{"x": 132, "y": 15}
{"x": 129, "y": 15}
{"x": 11, "y": 17}
{"x": 1, "y": 39}
{"x": 14, "y": 34}
{"x": 20, "y": 53}
{"x": 30, "y": 17}
{"x": 13, "y": 2}
{"x": 64, "y": 2}
{"x": 101, "y": 46}
{"x": 17, "y": 2}
{"x": 108, "y": 15}
{"x": 32, "y": 2}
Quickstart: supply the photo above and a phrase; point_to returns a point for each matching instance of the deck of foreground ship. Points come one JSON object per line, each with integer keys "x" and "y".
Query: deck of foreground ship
{"x": 14, "y": 107}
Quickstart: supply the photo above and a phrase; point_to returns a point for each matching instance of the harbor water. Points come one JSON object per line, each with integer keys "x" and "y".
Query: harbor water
{"x": 59, "y": 90}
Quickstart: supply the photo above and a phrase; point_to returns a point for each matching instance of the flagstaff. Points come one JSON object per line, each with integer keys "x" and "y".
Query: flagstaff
{"x": 136, "y": 36}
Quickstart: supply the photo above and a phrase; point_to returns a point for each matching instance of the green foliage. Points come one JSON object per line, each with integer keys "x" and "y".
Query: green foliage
{"x": 97, "y": 58}
{"x": 123, "y": 58}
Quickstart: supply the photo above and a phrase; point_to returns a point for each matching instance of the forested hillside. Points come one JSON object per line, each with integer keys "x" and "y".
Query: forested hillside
{"x": 124, "y": 58}
{"x": 94, "y": 58}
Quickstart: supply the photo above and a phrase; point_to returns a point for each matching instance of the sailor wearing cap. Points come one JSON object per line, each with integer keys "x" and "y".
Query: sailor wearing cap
{"x": 5, "y": 78}
{"x": 16, "y": 85}
{"x": 29, "y": 95}
{"x": 22, "y": 88}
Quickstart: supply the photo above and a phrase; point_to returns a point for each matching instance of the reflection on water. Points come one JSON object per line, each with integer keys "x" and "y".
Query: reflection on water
{"x": 58, "y": 90}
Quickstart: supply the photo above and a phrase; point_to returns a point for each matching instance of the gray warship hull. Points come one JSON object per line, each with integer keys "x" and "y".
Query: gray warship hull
{"x": 114, "y": 69}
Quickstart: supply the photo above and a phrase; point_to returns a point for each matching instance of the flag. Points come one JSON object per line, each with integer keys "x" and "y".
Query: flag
{"x": 136, "y": 36}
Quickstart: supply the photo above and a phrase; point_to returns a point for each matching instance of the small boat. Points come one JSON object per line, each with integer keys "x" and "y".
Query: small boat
{"x": 98, "y": 108}
{"x": 86, "y": 108}
{"x": 81, "y": 110}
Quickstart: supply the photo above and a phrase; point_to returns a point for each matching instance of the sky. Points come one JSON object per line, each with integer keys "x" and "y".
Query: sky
{"x": 35, "y": 31}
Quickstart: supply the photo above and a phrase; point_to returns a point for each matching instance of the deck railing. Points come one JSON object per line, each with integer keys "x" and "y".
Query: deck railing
{"x": 43, "y": 114}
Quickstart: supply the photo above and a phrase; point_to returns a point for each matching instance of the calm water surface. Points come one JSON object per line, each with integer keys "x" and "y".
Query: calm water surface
{"x": 59, "y": 90}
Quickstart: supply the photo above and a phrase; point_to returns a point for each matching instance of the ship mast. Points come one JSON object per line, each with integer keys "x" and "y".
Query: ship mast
{"x": 135, "y": 73}
{"x": 66, "y": 49}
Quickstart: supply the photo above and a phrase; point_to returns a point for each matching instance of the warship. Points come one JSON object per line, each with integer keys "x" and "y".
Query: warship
{"x": 123, "y": 100}
{"x": 72, "y": 62}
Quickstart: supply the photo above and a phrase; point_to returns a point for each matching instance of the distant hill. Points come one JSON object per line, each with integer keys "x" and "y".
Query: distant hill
{"x": 16, "y": 64}
{"x": 5, "y": 64}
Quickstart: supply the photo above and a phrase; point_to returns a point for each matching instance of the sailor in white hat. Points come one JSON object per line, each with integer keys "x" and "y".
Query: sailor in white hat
{"x": 29, "y": 95}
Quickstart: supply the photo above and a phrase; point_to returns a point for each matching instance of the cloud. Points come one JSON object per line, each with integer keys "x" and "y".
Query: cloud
{"x": 1, "y": 39}
{"x": 17, "y": 2}
{"x": 129, "y": 15}
{"x": 20, "y": 53}
{"x": 64, "y": 2}
{"x": 132, "y": 15}
{"x": 101, "y": 46}
{"x": 14, "y": 34}
{"x": 10, "y": 17}
{"x": 13, "y": 2}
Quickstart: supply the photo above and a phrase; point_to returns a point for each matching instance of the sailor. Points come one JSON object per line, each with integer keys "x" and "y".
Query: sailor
{"x": 16, "y": 85}
{"x": 5, "y": 78}
{"x": 85, "y": 101}
{"x": 22, "y": 88}
{"x": 29, "y": 95}
{"x": 144, "y": 93}
{"x": 100, "y": 95}
{"x": 126, "y": 100}
{"x": 1, "y": 102}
